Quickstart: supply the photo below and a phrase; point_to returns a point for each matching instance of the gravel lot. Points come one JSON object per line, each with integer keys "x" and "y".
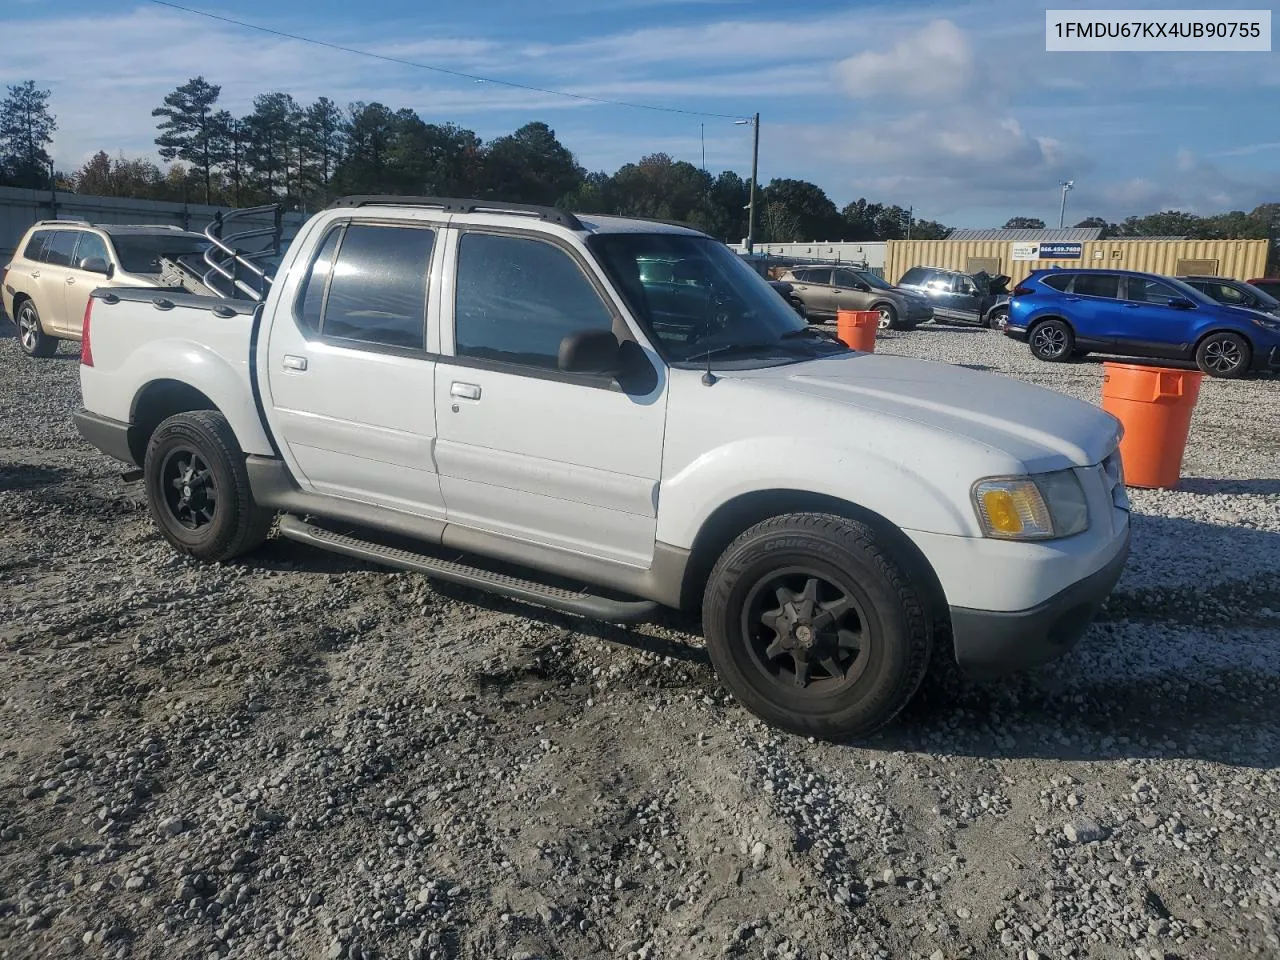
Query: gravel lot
{"x": 303, "y": 756}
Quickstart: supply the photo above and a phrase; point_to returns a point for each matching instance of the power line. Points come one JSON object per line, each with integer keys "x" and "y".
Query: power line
{"x": 444, "y": 70}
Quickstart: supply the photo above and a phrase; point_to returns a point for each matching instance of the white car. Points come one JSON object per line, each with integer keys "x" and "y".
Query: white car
{"x": 506, "y": 384}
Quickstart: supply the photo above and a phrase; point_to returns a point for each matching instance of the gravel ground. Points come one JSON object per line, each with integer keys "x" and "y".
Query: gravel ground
{"x": 302, "y": 756}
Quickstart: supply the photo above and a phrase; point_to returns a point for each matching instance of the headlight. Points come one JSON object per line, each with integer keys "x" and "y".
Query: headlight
{"x": 1038, "y": 507}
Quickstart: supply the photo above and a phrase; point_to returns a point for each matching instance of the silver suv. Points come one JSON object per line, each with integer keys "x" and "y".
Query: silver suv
{"x": 825, "y": 290}
{"x": 60, "y": 262}
{"x": 977, "y": 298}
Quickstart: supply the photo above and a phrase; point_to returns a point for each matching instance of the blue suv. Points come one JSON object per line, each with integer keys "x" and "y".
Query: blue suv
{"x": 1065, "y": 313}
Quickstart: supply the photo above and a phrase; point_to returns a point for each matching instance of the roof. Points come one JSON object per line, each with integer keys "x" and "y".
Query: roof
{"x": 1065, "y": 235}
{"x": 601, "y": 224}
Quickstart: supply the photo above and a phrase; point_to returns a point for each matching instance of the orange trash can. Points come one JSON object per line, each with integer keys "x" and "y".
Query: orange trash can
{"x": 1155, "y": 405}
{"x": 857, "y": 329}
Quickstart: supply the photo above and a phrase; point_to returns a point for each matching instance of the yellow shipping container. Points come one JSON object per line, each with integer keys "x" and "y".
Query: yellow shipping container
{"x": 1239, "y": 259}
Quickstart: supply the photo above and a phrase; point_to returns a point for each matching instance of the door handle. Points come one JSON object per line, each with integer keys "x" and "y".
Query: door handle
{"x": 71, "y": 279}
{"x": 465, "y": 391}
{"x": 1073, "y": 299}
{"x": 35, "y": 274}
{"x": 1132, "y": 306}
{"x": 295, "y": 363}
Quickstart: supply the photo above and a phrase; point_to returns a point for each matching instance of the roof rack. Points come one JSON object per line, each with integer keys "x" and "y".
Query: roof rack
{"x": 454, "y": 205}
{"x": 50, "y": 223}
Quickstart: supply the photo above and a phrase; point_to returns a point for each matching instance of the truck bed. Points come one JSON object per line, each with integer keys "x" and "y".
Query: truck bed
{"x": 136, "y": 332}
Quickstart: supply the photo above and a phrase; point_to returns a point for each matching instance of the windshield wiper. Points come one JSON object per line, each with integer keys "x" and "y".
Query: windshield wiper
{"x": 808, "y": 332}
{"x": 729, "y": 348}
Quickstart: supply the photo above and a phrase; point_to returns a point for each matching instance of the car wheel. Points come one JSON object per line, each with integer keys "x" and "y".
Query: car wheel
{"x": 1224, "y": 355}
{"x": 888, "y": 317}
{"x": 1051, "y": 341}
{"x": 998, "y": 318}
{"x": 31, "y": 338}
{"x": 198, "y": 488}
{"x": 815, "y": 626}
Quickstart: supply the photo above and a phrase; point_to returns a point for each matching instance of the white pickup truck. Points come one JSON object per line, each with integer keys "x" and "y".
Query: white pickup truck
{"x": 428, "y": 378}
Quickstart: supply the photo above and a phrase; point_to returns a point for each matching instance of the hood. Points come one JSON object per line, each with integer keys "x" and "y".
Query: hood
{"x": 1040, "y": 428}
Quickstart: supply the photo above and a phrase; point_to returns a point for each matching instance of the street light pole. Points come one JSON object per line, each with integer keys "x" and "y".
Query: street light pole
{"x": 1062, "y": 215}
{"x": 755, "y": 172}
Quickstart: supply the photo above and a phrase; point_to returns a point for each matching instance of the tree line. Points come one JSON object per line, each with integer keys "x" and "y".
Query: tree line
{"x": 1261, "y": 223}
{"x": 305, "y": 155}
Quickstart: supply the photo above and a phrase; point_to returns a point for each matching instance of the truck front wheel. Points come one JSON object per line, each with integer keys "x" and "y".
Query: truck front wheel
{"x": 815, "y": 627}
{"x": 198, "y": 488}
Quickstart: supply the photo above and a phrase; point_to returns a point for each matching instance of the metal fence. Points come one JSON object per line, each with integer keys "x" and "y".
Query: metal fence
{"x": 20, "y": 208}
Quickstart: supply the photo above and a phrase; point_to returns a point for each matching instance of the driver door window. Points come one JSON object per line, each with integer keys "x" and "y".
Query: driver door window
{"x": 1150, "y": 291}
{"x": 517, "y": 299}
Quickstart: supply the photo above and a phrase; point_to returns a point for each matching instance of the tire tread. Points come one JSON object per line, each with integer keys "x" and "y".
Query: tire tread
{"x": 855, "y": 537}
{"x": 252, "y": 523}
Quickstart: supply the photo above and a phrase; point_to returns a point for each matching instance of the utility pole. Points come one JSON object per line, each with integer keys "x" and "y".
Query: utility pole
{"x": 1062, "y": 214}
{"x": 911, "y": 216}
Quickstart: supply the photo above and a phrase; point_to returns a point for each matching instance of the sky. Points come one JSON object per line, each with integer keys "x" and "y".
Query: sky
{"x": 953, "y": 109}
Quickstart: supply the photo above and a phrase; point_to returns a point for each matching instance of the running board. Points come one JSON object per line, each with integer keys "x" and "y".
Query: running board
{"x": 581, "y": 603}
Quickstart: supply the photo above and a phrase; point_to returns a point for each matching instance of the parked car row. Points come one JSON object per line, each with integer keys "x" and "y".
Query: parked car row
{"x": 1226, "y": 327}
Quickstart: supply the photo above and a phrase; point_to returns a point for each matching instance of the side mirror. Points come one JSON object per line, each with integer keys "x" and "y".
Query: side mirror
{"x": 96, "y": 265}
{"x": 590, "y": 351}
{"x": 1181, "y": 303}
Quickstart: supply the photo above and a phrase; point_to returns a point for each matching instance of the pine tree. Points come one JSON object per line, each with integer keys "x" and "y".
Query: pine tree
{"x": 189, "y": 130}
{"x": 26, "y": 130}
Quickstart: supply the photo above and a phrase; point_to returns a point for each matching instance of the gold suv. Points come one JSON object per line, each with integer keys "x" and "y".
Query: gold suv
{"x": 60, "y": 262}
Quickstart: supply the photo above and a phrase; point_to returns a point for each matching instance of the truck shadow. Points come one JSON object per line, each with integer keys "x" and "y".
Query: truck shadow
{"x": 30, "y": 477}
{"x": 1184, "y": 660}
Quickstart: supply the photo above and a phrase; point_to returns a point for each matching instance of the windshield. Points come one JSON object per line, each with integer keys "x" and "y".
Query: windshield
{"x": 697, "y": 297}
{"x": 141, "y": 252}
{"x": 873, "y": 281}
{"x": 1265, "y": 300}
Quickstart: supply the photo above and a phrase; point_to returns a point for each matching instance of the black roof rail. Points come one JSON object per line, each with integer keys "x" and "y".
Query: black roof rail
{"x": 455, "y": 205}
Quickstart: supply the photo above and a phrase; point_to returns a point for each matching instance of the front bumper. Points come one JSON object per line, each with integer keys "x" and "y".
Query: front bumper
{"x": 989, "y": 643}
{"x": 110, "y": 436}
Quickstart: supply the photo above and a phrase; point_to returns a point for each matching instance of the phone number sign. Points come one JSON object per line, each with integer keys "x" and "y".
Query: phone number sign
{"x": 1047, "y": 251}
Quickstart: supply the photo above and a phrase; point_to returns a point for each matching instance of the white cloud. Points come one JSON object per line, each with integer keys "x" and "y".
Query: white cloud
{"x": 937, "y": 61}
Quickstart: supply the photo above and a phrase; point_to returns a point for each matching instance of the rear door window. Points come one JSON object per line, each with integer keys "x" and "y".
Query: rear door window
{"x": 59, "y": 251}
{"x": 1097, "y": 285}
{"x": 1058, "y": 281}
{"x": 818, "y": 276}
{"x": 378, "y": 291}
{"x": 914, "y": 277}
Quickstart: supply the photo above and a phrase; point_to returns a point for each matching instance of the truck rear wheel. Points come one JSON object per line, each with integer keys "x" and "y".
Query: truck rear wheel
{"x": 198, "y": 488}
{"x": 815, "y": 626}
